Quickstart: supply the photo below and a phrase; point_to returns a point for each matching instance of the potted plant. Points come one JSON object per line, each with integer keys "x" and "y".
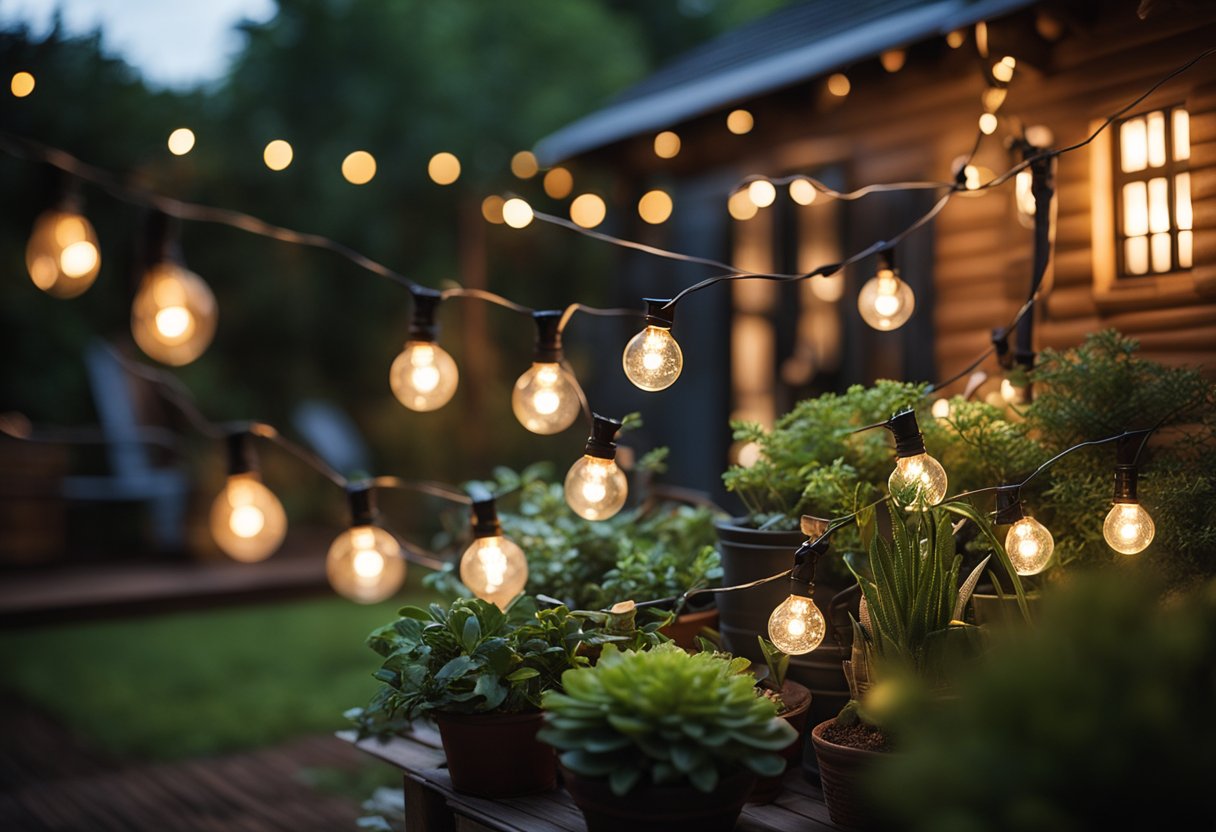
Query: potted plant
{"x": 793, "y": 705}
{"x": 479, "y": 673}
{"x": 663, "y": 740}
{"x": 910, "y": 627}
{"x": 810, "y": 463}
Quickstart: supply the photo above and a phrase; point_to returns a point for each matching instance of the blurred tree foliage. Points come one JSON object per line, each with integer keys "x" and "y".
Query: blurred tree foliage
{"x": 403, "y": 80}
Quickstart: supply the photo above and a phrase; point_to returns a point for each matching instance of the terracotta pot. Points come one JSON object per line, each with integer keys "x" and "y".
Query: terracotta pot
{"x": 797, "y": 699}
{"x": 497, "y": 755}
{"x": 650, "y": 808}
{"x": 685, "y": 629}
{"x": 840, "y": 771}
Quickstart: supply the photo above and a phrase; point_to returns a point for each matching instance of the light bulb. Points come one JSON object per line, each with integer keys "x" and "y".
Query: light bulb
{"x": 247, "y": 521}
{"x": 365, "y": 565}
{"x": 1029, "y": 545}
{"x": 596, "y": 488}
{"x": 494, "y": 569}
{"x": 1128, "y": 528}
{"x": 62, "y": 255}
{"x": 545, "y": 398}
{"x": 796, "y": 626}
{"x": 653, "y": 359}
{"x": 174, "y": 314}
{"x": 423, "y": 376}
{"x": 1014, "y": 393}
{"x": 918, "y": 480}
{"x": 886, "y": 302}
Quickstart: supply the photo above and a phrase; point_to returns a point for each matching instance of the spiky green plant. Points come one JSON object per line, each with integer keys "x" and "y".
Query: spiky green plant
{"x": 665, "y": 716}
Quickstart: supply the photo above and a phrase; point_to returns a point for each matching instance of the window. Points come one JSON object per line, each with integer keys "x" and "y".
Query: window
{"x": 1152, "y": 190}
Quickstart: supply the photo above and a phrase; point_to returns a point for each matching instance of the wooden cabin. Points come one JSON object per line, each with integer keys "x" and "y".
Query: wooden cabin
{"x": 874, "y": 91}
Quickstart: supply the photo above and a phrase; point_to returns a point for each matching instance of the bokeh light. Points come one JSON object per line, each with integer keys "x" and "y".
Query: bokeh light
{"x": 740, "y": 122}
{"x": 523, "y": 164}
{"x": 444, "y": 168}
{"x": 666, "y": 145}
{"x": 558, "y": 183}
{"x": 181, "y": 141}
{"x": 22, "y": 84}
{"x": 359, "y": 167}
{"x": 655, "y": 206}
{"x": 277, "y": 155}
{"x": 588, "y": 210}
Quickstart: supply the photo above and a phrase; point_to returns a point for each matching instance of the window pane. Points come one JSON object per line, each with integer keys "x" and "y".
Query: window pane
{"x": 1135, "y": 255}
{"x": 1158, "y": 205}
{"x": 1133, "y": 145}
{"x": 1184, "y": 249}
{"x": 1161, "y": 252}
{"x": 1135, "y": 209}
{"x": 1182, "y": 135}
{"x": 1182, "y": 200}
{"x": 1156, "y": 139}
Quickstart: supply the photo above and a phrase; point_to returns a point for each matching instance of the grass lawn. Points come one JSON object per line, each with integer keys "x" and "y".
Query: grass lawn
{"x": 197, "y": 683}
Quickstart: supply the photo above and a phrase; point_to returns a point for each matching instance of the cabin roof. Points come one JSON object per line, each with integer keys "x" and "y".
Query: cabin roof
{"x": 791, "y": 45}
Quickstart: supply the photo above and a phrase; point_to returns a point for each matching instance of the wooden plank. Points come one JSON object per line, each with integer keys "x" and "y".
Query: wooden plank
{"x": 401, "y": 752}
{"x": 426, "y": 810}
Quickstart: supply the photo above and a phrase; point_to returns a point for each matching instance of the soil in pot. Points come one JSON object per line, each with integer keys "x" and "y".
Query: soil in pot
{"x": 685, "y": 629}
{"x": 650, "y": 808}
{"x": 497, "y": 755}
{"x": 845, "y": 753}
{"x": 797, "y": 701}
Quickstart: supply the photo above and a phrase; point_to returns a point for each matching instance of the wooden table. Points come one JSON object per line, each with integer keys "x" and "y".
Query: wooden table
{"x": 432, "y": 805}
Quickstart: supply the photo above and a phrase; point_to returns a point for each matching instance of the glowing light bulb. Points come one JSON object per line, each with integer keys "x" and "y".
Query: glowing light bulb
{"x": 918, "y": 480}
{"x": 596, "y": 488}
{"x": 1014, "y": 393}
{"x": 365, "y": 565}
{"x": 423, "y": 376}
{"x": 545, "y": 398}
{"x": 652, "y": 358}
{"x": 247, "y": 521}
{"x": 796, "y": 626}
{"x": 494, "y": 569}
{"x": 1030, "y": 546}
{"x": 174, "y": 314}
{"x": 1128, "y": 528}
{"x": 62, "y": 255}
{"x": 517, "y": 213}
{"x": 886, "y": 302}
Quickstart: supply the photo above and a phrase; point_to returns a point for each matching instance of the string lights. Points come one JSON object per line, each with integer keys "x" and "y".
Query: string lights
{"x": 886, "y": 302}
{"x": 248, "y": 522}
{"x": 1028, "y": 543}
{"x": 174, "y": 319}
{"x": 493, "y": 567}
{"x": 652, "y": 358}
{"x": 546, "y": 398}
{"x": 595, "y": 486}
{"x": 364, "y": 563}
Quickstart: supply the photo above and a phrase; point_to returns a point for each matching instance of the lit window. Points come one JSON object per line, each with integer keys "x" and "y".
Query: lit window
{"x": 1153, "y": 193}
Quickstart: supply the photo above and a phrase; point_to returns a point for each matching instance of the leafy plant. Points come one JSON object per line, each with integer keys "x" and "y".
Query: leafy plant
{"x": 472, "y": 657}
{"x": 664, "y": 716}
{"x": 778, "y": 663}
{"x": 636, "y": 555}
{"x": 912, "y": 601}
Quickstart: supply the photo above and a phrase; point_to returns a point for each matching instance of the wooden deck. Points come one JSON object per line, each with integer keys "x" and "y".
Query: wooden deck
{"x": 432, "y": 805}
{"x": 48, "y": 781}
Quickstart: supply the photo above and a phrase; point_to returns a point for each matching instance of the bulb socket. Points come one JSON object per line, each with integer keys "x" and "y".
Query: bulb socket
{"x": 806, "y": 556}
{"x": 1126, "y": 477}
{"x": 909, "y": 441}
{"x": 423, "y": 326}
{"x": 160, "y": 242}
{"x": 657, "y": 315}
{"x": 1000, "y": 343}
{"x": 548, "y": 336}
{"x": 362, "y": 499}
{"x": 242, "y": 458}
{"x": 886, "y": 260}
{"x": 602, "y": 441}
{"x": 485, "y": 518}
{"x": 1008, "y": 505}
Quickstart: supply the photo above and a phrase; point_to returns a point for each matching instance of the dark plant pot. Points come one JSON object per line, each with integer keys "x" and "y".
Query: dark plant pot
{"x": 748, "y": 555}
{"x": 497, "y": 755}
{"x": 841, "y": 769}
{"x": 685, "y": 629}
{"x": 995, "y": 611}
{"x": 650, "y": 808}
{"x": 797, "y": 699}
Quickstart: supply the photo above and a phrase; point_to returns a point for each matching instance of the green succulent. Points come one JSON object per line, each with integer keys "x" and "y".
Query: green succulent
{"x": 665, "y": 716}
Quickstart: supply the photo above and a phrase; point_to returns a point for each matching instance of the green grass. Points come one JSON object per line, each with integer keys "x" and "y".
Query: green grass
{"x": 198, "y": 683}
